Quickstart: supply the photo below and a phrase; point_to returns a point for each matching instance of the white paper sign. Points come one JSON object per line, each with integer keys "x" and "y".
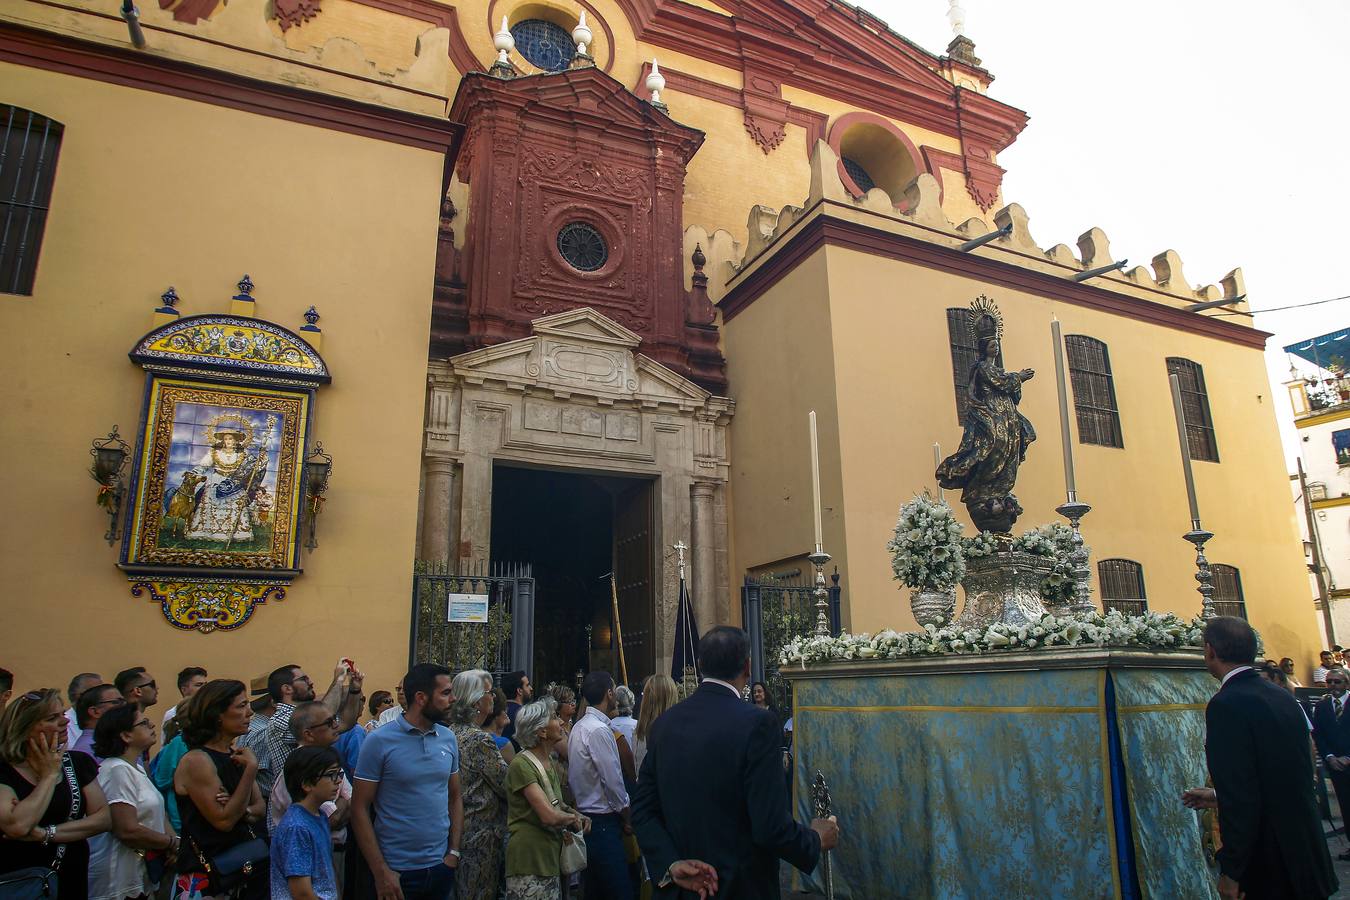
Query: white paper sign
{"x": 468, "y": 608}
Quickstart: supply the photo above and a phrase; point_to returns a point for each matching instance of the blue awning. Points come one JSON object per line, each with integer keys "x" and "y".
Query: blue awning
{"x": 1321, "y": 351}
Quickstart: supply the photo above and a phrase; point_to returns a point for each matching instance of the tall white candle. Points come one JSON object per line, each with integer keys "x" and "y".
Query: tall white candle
{"x": 1185, "y": 447}
{"x": 1065, "y": 434}
{"x": 815, "y": 479}
{"x": 937, "y": 461}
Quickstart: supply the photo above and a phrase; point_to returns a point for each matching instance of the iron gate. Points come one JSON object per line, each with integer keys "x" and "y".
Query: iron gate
{"x": 776, "y": 610}
{"x": 504, "y": 644}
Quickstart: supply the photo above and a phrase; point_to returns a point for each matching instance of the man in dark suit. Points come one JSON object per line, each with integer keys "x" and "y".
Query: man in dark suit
{"x": 711, "y": 785}
{"x": 1257, "y": 747}
{"x": 1331, "y": 731}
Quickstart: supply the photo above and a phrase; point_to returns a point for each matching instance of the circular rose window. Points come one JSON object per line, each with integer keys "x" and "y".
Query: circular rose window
{"x": 582, "y": 246}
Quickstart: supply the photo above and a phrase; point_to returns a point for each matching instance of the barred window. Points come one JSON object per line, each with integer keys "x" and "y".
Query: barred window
{"x": 1228, "y": 599}
{"x": 28, "y": 146}
{"x": 1122, "y": 586}
{"x": 964, "y": 354}
{"x": 1195, "y": 408}
{"x": 1094, "y": 391}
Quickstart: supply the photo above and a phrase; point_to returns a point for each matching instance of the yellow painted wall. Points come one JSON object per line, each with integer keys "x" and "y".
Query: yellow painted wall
{"x": 885, "y": 324}
{"x": 153, "y": 191}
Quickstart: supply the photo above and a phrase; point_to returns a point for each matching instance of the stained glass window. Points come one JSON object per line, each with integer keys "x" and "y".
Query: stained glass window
{"x": 859, "y": 175}
{"x": 582, "y": 246}
{"x": 547, "y": 46}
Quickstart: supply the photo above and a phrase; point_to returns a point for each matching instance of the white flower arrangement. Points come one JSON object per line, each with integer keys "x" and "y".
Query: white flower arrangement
{"x": 1151, "y": 631}
{"x": 926, "y": 548}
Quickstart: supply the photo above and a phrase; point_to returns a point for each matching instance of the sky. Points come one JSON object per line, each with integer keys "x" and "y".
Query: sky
{"x": 1219, "y": 130}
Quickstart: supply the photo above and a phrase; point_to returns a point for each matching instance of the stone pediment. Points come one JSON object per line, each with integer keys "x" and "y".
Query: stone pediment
{"x": 580, "y": 353}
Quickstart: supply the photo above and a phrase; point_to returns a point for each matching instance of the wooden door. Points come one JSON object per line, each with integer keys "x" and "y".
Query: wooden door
{"x": 634, "y": 559}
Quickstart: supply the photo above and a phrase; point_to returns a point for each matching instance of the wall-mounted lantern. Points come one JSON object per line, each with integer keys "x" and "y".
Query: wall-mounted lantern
{"x": 318, "y": 466}
{"x": 110, "y": 458}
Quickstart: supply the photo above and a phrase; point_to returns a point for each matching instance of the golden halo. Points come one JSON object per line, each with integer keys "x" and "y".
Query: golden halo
{"x": 245, "y": 428}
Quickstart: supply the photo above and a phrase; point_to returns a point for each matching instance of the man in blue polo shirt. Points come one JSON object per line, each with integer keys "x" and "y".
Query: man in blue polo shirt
{"x": 408, "y": 777}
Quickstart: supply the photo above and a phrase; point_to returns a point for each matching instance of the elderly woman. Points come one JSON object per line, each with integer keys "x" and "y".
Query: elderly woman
{"x": 482, "y": 776}
{"x": 50, "y": 800}
{"x": 217, "y": 790}
{"x": 141, "y": 834}
{"x": 535, "y": 811}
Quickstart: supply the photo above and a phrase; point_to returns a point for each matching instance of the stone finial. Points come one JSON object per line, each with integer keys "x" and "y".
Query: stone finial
{"x": 311, "y": 331}
{"x": 165, "y": 312}
{"x": 311, "y": 317}
{"x": 1094, "y": 248}
{"x": 1167, "y": 273}
{"x": 581, "y": 35}
{"x": 656, "y": 83}
{"x": 962, "y": 50}
{"x": 169, "y": 299}
{"x": 1234, "y": 285}
{"x": 243, "y": 303}
{"x": 923, "y": 197}
{"x": 956, "y": 17}
{"x": 503, "y": 42}
{"x": 825, "y": 181}
{"x": 761, "y": 224}
{"x": 245, "y": 286}
{"x": 1013, "y": 214}
{"x": 699, "y": 260}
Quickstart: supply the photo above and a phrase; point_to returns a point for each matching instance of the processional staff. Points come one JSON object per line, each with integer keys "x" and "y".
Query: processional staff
{"x": 820, "y": 799}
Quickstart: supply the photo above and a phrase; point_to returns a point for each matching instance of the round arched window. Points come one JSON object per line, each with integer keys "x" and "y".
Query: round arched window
{"x": 547, "y": 46}
{"x": 582, "y": 246}
{"x": 859, "y": 175}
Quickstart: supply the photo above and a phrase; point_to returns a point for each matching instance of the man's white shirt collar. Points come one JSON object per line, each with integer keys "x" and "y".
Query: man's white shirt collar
{"x": 725, "y": 684}
{"x": 1233, "y": 672}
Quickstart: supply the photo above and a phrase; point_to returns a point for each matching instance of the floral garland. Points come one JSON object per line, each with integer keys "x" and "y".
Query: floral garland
{"x": 1151, "y": 631}
{"x": 926, "y": 548}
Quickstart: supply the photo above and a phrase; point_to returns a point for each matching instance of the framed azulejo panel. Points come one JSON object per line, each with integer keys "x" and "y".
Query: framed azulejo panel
{"x": 221, "y": 486}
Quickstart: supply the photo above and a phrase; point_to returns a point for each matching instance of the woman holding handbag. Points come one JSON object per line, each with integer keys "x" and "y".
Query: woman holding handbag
{"x": 538, "y": 852}
{"x": 223, "y": 853}
{"x": 50, "y": 803}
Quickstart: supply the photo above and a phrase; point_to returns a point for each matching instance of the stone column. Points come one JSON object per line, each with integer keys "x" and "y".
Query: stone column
{"x": 704, "y": 587}
{"x": 436, "y": 506}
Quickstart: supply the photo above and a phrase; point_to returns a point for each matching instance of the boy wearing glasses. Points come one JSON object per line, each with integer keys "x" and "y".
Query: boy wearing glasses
{"x": 302, "y": 856}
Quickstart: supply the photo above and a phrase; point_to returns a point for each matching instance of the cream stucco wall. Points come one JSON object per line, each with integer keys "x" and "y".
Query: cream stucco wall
{"x": 884, "y": 324}
{"x": 153, "y": 191}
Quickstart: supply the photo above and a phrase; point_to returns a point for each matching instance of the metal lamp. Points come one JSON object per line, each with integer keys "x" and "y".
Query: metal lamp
{"x": 110, "y": 458}
{"x": 318, "y": 467}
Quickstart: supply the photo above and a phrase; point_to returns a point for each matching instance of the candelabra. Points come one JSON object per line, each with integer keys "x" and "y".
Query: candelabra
{"x": 1074, "y": 510}
{"x": 1203, "y": 574}
{"x": 818, "y": 559}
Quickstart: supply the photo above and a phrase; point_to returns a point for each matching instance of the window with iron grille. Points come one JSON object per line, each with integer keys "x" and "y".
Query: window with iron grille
{"x": 28, "y": 148}
{"x": 544, "y": 44}
{"x": 964, "y": 354}
{"x": 860, "y": 175}
{"x": 1122, "y": 586}
{"x": 1228, "y": 599}
{"x": 1195, "y": 408}
{"x": 1094, "y": 391}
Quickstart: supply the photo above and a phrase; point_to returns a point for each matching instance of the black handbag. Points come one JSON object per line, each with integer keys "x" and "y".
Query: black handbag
{"x": 232, "y": 867}
{"x": 38, "y": 882}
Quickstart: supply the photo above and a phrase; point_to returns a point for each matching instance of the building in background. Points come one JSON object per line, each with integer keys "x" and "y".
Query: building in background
{"x": 1319, "y": 395}
{"x": 579, "y": 288}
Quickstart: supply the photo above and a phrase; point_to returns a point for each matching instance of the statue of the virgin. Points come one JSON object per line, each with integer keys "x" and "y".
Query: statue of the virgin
{"x": 996, "y": 435}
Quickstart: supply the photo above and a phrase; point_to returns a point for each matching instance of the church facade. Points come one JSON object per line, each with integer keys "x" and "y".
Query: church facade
{"x": 566, "y": 295}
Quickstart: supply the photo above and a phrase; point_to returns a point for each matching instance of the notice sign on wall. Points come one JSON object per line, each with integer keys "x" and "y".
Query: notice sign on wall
{"x": 468, "y": 608}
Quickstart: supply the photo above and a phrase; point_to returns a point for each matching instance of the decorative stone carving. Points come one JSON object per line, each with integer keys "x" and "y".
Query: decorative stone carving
{"x": 1003, "y": 587}
{"x": 294, "y": 12}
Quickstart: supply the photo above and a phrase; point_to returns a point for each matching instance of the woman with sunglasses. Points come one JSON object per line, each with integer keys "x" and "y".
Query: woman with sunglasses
{"x": 50, "y": 800}
{"x": 142, "y": 838}
{"x": 218, "y": 796}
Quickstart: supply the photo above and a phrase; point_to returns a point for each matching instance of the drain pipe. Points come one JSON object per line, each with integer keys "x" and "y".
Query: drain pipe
{"x": 133, "y": 16}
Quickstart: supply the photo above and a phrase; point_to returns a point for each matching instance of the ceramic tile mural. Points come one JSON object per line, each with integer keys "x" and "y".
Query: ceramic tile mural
{"x": 220, "y": 476}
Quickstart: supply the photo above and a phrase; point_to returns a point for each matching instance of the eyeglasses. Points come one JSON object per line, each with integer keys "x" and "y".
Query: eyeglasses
{"x": 112, "y": 701}
{"x": 305, "y": 678}
{"x": 333, "y": 775}
{"x": 146, "y": 722}
{"x": 147, "y": 684}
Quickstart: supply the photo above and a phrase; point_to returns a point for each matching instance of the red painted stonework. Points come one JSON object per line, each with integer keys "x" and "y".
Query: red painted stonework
{"x": 546, "y": 150}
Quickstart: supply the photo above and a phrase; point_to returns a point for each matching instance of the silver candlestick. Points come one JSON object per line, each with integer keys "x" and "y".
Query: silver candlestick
{"x": 1074, "y": 510}
{"x": 818, "y": 559}
{"x": 1203, "y": 574}
{"x": 823, "y": 809}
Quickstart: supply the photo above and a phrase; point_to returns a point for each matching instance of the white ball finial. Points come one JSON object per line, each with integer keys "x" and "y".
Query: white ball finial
{"x": 656, "y": 82}
{"x": 581, "y": 35}
{"x": 956, "y": 16}
{"x": 503, "y": 42}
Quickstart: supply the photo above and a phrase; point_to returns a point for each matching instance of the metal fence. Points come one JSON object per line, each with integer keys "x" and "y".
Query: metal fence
{"x": 776, "y": 610}
{"x": 504, "y": 643}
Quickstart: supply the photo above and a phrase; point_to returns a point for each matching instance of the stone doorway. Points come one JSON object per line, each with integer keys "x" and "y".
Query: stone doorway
{"x": 574, "y": 528}
{"x": 578, "y": 400}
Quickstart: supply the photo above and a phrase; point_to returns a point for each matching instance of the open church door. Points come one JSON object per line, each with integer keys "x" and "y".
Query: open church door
{"x": 634, "y": 572}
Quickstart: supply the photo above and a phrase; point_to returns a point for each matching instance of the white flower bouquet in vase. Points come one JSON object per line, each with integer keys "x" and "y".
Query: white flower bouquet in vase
{"x": 926, "y": 557}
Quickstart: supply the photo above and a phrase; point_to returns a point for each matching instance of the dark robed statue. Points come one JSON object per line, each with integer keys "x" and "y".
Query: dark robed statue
{"x": 996, "y": 435}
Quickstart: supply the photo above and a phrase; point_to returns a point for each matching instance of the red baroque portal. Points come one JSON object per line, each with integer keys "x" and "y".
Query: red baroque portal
{"x": 546, "y": 151}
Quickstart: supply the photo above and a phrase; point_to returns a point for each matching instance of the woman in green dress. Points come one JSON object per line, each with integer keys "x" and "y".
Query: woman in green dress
{"x": 482, "y": 775}
{"x": 536, "y": 815}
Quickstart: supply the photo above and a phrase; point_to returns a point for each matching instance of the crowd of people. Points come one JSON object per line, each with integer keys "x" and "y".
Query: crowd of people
{"x": 456, "y": 785}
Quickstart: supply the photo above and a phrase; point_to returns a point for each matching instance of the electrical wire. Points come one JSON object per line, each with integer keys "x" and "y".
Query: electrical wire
{"x": 1255, "y": 312}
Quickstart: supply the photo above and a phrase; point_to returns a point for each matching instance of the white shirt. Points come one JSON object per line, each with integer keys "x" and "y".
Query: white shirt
{"x": 388, "y": 716}
{"x": 1320, "y": 674}
{"x": 1233, "y": 672}
{"x": 593, "y": 768}
{"x": 168, "y": 717}
{"x": 73, "y": 728}
{"x": 626, "y": 726}
{"x": 115, "y": 870}
{"x": 727, "y": 685}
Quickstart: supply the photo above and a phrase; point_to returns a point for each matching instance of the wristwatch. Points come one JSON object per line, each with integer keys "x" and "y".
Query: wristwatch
{"x": 48, "y": 835}
{"x": 456, "y": 854}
